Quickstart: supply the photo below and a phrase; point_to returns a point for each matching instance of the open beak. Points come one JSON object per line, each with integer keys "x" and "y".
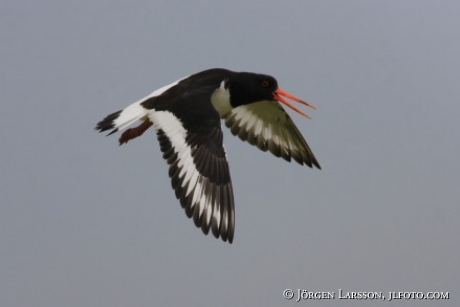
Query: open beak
{"x": 279, "y": 94}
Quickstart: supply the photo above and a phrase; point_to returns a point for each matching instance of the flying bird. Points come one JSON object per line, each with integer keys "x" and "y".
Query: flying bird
{"x": 186, "y": 115}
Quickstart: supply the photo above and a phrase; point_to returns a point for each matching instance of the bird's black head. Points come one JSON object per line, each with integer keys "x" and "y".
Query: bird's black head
{"x": 246, "y": 88}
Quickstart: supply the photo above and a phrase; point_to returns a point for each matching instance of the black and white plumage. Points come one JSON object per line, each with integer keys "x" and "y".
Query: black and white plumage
{"x": 186, "y": 116}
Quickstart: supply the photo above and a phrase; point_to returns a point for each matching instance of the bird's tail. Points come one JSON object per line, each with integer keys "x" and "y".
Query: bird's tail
{"x": 119, "y": 120}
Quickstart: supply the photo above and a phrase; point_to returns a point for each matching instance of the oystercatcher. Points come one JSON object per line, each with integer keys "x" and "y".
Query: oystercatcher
{"x": 186, "y": 116}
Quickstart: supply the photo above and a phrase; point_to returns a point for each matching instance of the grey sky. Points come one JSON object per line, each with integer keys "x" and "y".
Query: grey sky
{"x": 84, "y": 222}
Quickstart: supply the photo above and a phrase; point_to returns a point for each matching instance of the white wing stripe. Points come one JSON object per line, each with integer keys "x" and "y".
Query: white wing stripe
{"x": 197, "y": 184}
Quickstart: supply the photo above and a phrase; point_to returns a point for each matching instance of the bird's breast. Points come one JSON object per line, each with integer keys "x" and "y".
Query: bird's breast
{"x": 221, "y": 100}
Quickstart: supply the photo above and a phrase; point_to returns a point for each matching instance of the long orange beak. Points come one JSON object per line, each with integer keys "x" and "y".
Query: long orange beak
{"x": 278, "y": 96}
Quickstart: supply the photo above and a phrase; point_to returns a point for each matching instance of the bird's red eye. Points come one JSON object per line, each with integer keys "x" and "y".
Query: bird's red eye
{"x": 265, "y": 83}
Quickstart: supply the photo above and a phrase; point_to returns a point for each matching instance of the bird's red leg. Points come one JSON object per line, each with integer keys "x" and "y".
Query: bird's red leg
{"x": 135, "y": 132}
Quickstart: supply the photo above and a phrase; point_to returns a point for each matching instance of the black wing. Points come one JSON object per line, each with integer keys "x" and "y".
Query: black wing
{"x": 266, "y": 124}
{"x": 190, "y": 138}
